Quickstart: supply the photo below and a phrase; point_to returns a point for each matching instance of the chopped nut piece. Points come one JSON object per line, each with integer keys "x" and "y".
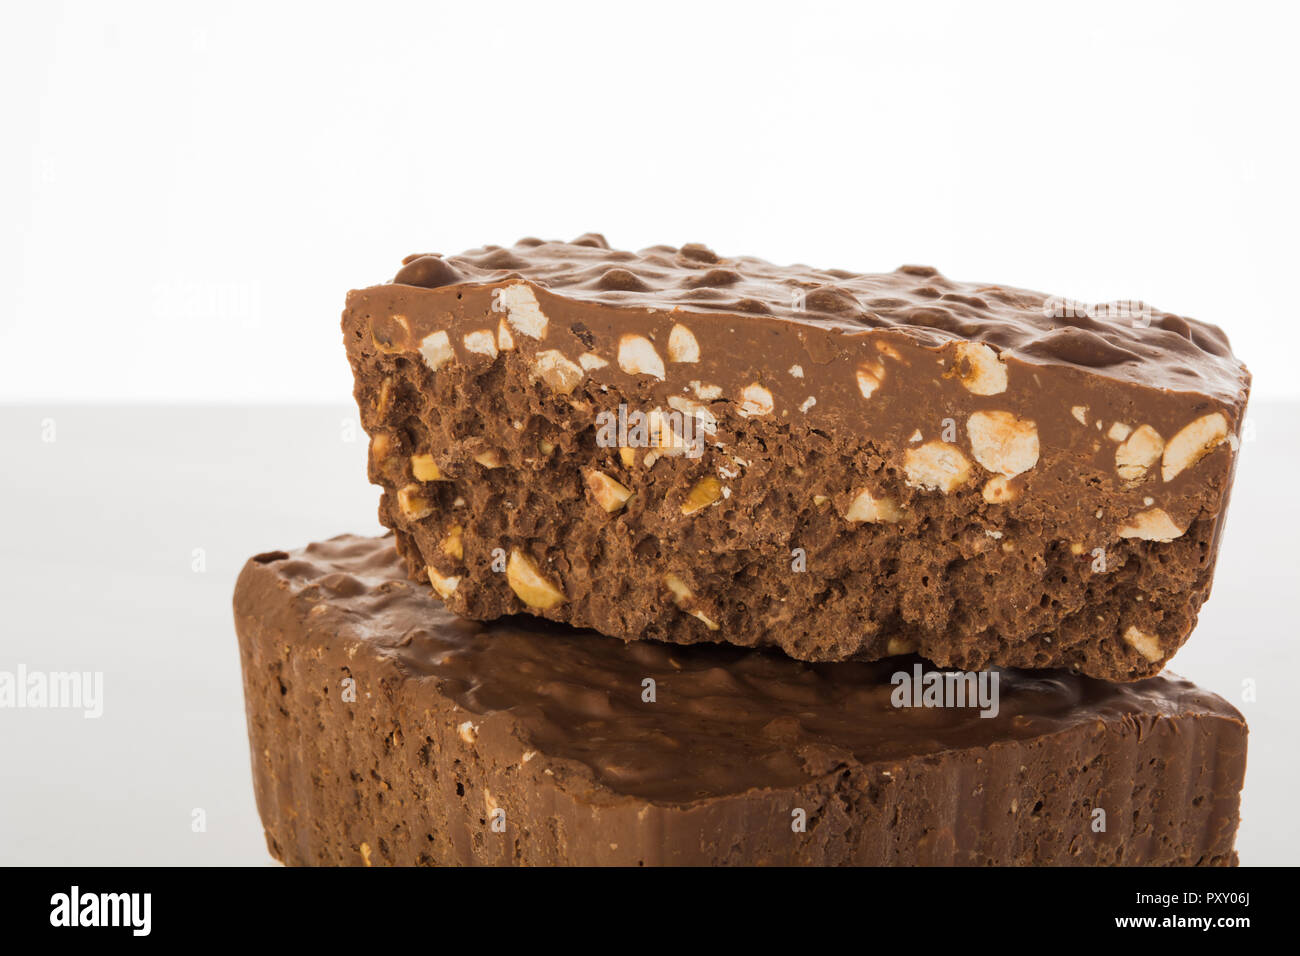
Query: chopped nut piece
{"x": 708, "y": 422}
{"x": 481, "y": 343}
{"x": 545, "y": 447}
{"x": 530, "y": 584}
{"x": 505, "y": 341}
{"x": 385, "y": 397}
{"x": 706, "y": 491}
{"x": 871, "y": 375}
{"x": 979, "y": 369}
{"x": 453, "y": 544}
{"x": 682, "y": 346}
{"x": 390, "y": 334}
{"x": 711, "y": 624}
{"x": 424, "y": 468}
{"x": 706, "y": 393}
{"x": 380, "y": 445}
{"x": 884, "y": 348}
{"x": 413, "y": 503}
{"x": 999, "y": 489}
{"x": 444, "y": 587}
{"x": 557, "y": 371}
{"x": 663, "y": 433}
{"x": 680, "y": 591}
{"x": 820, "y": 500}
{"x": 522, "y": 311}
{"x": 637, "y": 356}
{"x": 1193, "y": 443}
{"x": 627, "y": 456}
{"x": 755, "y": 400}
{"x": 489, "y": 459}
{"x": 590, "y": 360}
{"x": 436, "y": 350}
{"x": 1138, "y": 453}
{"x": 1118, "y": 431}
{"x": 1080, "y": 413}
{"x": 1003, "y": 443}
{"x": 682, "y": 594}
{"x": 609, "y": 494}
{"x": 1152, "y": 525}
{"x": 936, "y": 466}
{"x": 1145, "y": 644}
{"x": 864, "y": 507}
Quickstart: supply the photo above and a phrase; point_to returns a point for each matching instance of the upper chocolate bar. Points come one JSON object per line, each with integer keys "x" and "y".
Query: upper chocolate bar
{"x": 836, "y": 464}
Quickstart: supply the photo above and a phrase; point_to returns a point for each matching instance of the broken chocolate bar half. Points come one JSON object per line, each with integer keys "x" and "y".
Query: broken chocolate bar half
{"x": 679, "y": 446}
{"x": 384, "y": 730}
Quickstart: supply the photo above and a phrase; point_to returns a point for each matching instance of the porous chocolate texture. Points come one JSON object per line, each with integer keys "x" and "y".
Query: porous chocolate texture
{"x": 679, "y": 446}
{"x": 384, "y": 730}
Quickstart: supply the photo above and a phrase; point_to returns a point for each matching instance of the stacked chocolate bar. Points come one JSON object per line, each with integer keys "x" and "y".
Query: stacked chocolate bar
{"x": 884, "y": 570}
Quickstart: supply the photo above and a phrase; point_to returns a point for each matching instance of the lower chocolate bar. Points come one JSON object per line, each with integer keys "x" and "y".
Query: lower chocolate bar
{"x": 386, "y": 731}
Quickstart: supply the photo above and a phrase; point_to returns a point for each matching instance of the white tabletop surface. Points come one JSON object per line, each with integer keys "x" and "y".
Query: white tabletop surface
{"x": 123, "y": 535}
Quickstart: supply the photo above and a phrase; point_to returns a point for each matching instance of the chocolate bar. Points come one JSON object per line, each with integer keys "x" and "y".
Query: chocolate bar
{"x": 386, "y": 731}
{"x": 679, "y": 446}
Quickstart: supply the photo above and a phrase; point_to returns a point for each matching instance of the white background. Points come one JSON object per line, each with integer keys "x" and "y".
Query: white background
{"x": 187, "y": 192}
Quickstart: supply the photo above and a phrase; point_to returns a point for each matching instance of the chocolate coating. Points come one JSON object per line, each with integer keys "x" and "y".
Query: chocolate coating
{"x": 1153, "y": 349}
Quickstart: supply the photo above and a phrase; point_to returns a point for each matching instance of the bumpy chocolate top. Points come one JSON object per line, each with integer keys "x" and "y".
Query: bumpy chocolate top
{"x": 725, "y": 720}
{"x": 1125, "y": 341}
